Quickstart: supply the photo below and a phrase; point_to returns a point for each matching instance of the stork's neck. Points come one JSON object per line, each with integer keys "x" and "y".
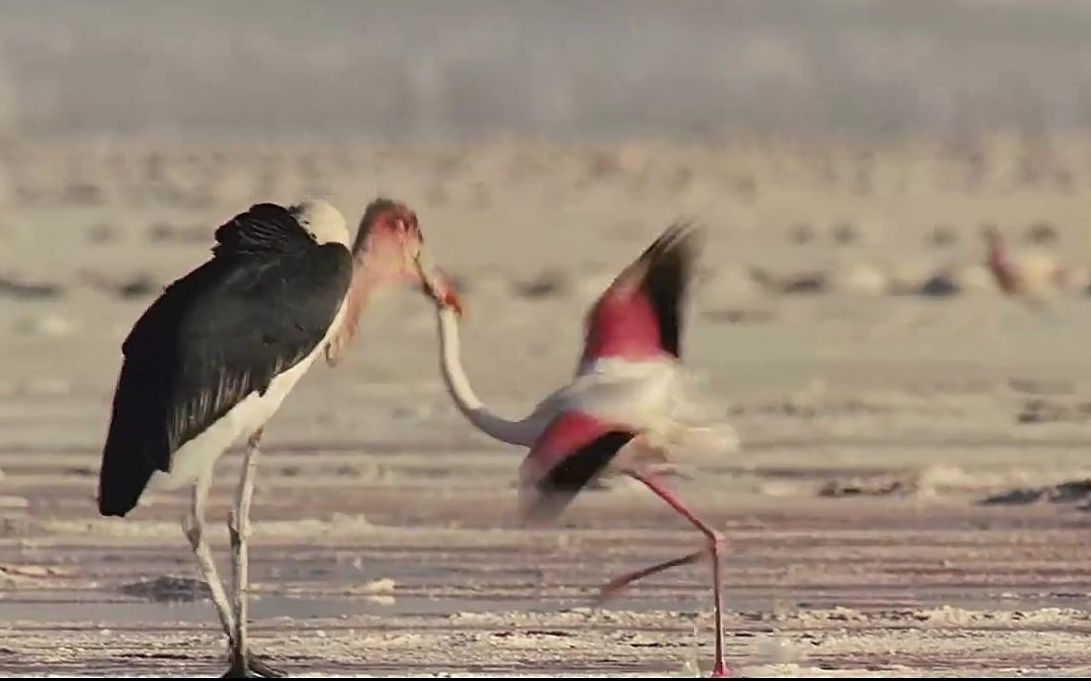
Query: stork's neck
{"x": 364, "y": 280}
{"x": 467, "y": 401}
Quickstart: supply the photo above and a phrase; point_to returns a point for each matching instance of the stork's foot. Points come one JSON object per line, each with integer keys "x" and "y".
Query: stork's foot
{"x": 250, "y": 666}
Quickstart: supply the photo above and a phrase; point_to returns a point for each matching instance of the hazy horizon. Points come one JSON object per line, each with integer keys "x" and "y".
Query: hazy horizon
{"x": 553, "y": 69}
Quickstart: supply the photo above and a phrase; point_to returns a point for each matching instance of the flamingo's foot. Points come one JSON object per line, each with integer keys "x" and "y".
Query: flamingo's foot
{"x": 720, "y": 671}
{"x": 249, "y": 666}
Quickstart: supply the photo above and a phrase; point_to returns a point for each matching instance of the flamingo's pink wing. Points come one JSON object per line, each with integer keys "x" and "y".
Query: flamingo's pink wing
{"x": 639, "y": 316}
{"x": 570, "y": 453}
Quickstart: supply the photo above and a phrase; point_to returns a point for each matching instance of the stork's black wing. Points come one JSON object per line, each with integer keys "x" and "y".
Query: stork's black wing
{"x": 258, "y": 307}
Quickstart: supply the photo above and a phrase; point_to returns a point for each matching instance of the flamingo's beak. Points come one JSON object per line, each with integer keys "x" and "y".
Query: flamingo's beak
{"x": 451, "y": 300}
{"x": 436, "y": 284}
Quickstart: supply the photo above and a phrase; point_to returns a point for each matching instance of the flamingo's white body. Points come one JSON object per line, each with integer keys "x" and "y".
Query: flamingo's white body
{"x": 655, "y": 395}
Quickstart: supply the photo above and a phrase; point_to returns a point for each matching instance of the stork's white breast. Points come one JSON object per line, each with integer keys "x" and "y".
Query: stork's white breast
{"x": 199, "y": 455}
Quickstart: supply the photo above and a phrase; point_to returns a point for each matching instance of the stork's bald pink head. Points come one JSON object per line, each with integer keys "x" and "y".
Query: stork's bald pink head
{"x": 391, "y": 246}
{"x": 388, "y": 243}
{"x": 388, "y": 249}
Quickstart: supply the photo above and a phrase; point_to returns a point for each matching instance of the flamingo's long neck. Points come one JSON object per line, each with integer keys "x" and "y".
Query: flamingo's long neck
{"x": 1003, "y": 268}
{"x": 467, "y": 401}
{"x": 998, "y": 255}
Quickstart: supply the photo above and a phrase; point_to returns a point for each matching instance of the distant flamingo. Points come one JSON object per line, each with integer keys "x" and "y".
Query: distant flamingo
{"x": 625, "y": 410}
{"x": 1033, "y": 279}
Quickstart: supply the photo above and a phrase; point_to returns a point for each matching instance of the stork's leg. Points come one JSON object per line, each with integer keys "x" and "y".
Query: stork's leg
{"x": 193, "y": 524}
{"x": 715, "y": 545}
{"x": 243, "y": 662}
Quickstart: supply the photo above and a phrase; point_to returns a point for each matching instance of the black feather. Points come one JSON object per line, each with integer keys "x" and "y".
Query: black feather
{"x": 259, "y": 306}
{"x": 669, "y": 262}
{"x": 265, "y": 228}
{"x": 557, "y": 488}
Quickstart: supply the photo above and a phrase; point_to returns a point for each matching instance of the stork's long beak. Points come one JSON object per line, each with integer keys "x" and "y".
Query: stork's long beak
{"x": 435, "y": 283}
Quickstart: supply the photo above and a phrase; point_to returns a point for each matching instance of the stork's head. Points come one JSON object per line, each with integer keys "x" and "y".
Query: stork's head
{"x": 388, "y": 243}
{"x": 388, "y": 249}
{"x": 389, "y": 246}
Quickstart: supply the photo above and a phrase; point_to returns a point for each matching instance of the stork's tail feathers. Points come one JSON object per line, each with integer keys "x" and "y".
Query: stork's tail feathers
{"x": 121, "y": 483}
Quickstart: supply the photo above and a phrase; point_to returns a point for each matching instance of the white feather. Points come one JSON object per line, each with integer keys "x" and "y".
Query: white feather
{"x": 657, "y": 397}
{"x": 199, "y": 455}
{"x": 322, "y": 221}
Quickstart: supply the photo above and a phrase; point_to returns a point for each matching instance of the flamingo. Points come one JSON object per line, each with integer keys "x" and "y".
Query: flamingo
{"x": 626, "y": 410}
{"x": 211, "y": 360}
{"x": 1033, "y": 278}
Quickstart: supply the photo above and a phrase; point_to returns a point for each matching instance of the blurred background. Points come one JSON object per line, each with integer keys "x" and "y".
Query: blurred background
{"x": 847, "y": 157}
{"x": 693, "y": 70}
{"x": 892, "y": 307}
{"x": 847, "y": 147}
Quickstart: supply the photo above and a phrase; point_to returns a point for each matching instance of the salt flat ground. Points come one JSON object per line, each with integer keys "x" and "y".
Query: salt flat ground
{"x": 895, "y": 508}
